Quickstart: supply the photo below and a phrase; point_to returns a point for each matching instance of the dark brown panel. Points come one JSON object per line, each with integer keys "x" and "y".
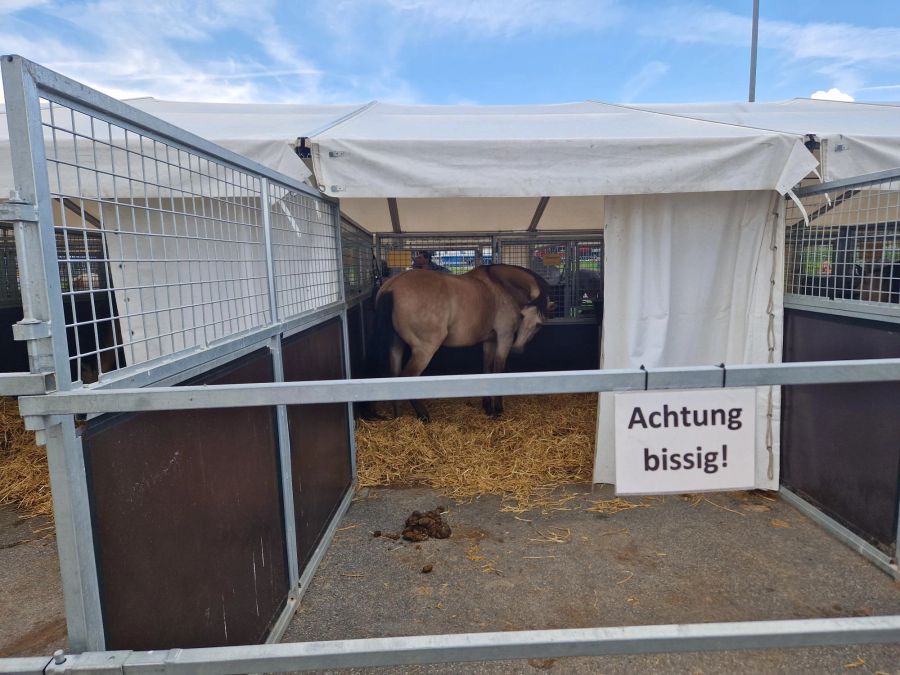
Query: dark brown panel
{"x": 355, "y": 341}
{"x": 320, "y": 443}
{"x": 841, "y": 442}
{"x": 188, "y": 520}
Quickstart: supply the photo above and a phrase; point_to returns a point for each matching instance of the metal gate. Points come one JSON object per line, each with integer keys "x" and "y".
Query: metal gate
{"x": 146, "y": 256}
{"x": 842, "y": 301}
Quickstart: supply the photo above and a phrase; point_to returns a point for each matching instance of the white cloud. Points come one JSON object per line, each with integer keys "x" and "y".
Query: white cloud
{"x": 172, "y": 49}
{"x": 646, "y": 77}
{"x": 843, "y": 42}
{"x": 833, "y": 94}
{"x": 10, "y": 6}
{"x": 509, "y": 17}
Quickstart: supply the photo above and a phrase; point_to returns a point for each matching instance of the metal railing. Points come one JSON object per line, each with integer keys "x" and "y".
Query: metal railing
{"x": 402, "y": 651}
{"x": 477, "y": 646}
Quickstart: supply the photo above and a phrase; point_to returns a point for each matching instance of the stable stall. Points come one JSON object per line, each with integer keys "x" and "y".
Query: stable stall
{"x": 192, "y": 265}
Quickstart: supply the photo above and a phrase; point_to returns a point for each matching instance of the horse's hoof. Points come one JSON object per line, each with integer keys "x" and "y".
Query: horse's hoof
{"x": 425, "y": 419}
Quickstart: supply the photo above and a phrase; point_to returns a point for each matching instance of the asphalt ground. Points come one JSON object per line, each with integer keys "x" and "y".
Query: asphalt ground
{"x": 32, "y": 616}
{"x": 678, "y": 559}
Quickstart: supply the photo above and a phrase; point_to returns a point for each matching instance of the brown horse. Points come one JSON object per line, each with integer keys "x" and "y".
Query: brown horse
{"x": 499, "y": 306}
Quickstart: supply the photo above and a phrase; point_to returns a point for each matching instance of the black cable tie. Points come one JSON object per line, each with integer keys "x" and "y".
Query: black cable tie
{"x": 646, "y": 377}
{"x": 722, "y": 366}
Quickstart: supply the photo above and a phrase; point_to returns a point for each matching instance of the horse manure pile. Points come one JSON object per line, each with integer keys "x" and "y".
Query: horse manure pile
{"x": 539, "y": 444}
{"x": 422, "y": 526}
{"x": 24, "y": 477}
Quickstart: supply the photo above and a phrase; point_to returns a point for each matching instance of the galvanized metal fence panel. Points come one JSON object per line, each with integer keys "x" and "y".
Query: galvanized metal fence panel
{"x": 304, "y": 245}
{"x": 146, "y": 254}
{"x": 571, "y": 263}
{"x": 457, "y": 253}
{"x": 842, "y": 247}
{"x": 358, "y": 261}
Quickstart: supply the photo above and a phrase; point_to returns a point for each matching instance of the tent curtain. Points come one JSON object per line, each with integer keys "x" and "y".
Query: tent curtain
{"x": 694, "y": 280}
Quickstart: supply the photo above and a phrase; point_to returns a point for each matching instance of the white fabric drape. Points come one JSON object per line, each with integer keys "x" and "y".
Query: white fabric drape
{"x": 693, "y": 279}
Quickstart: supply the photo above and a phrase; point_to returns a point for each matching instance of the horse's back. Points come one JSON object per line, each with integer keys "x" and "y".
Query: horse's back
{"x": 429, "y": 305}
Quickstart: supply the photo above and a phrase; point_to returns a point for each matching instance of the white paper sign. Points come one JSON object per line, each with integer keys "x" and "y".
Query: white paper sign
{"x": 685, "y": 441}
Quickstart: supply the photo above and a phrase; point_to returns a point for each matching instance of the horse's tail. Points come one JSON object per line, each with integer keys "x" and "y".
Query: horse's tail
{"x": 382, "y": 335}
{"x": 379, "y": 346}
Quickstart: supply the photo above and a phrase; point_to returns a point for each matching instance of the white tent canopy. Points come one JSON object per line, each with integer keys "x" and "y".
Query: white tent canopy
{"x": 574, "y": 149}
{"x": 857, "y": 138}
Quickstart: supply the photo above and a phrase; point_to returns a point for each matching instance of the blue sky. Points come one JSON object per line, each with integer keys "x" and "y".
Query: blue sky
{"x": 456, "y": 51}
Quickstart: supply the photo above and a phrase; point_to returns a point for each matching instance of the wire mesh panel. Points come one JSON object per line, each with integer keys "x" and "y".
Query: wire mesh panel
{"x": 160, "y": 249}
{"x": 10, "y": 295}
{"x": 304, "y": 250}
{"x": 849, "y": 251}
{"x": 358, "y": 260}
{"x": 455, "y": 254}
{"x": 573, "y": 268}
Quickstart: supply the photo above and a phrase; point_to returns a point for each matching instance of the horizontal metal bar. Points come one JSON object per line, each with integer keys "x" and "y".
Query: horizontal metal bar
{"x": 813, "y": 372}
{"x": 841, "y": 533}
{"x": 331, "y": 391}
{"x": 855, "y": 181}
{"x": 512, "y": 235}
{"x": 703, "y": 377}
{"x": 70, "y": 92}
{"x": 453, "y": 386}
{"x": 22, "y": 384}
{"x": 400, "y": 651}
{"x": 850, "y": 308}
{"x": 24, "y": 666}
{"x": 195, "y": 359}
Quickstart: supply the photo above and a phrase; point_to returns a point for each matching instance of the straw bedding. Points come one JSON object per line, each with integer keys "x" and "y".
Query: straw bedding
{"x": 539, "y": 444}
{"x": 24, "y": 479}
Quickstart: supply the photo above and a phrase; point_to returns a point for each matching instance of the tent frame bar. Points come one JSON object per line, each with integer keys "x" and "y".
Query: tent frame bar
{"x": 844, "y": 183}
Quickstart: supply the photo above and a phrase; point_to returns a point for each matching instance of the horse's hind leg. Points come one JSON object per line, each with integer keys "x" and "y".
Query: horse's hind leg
{"x": 395, "y": 363}
{"x": 489, "y": 352}
{"x": 418, "y": 361}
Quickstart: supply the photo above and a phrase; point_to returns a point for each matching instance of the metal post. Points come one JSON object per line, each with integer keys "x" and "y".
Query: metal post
{"x": 753, "y": 45}
{"x": 351, "y": 422}
{"x": 44, "y": 330}
{"x": 897, "y": 540}
{"x": 74, "y": 538}
{"x": 284, "y": 433}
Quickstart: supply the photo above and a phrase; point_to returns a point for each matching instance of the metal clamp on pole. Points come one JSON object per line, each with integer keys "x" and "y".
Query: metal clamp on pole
{"x": 17, "y": 210}
{"x": 30, "y": 329}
